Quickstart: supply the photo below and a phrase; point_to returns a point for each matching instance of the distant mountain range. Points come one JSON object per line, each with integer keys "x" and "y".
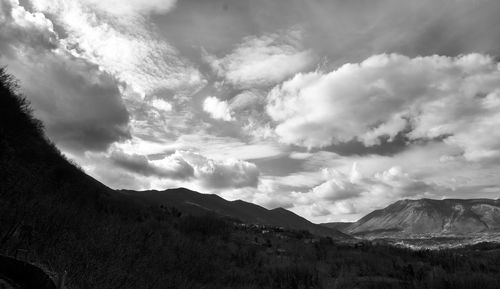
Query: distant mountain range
{"x": 194, "y": 203}
{"x": 427, "y": 217}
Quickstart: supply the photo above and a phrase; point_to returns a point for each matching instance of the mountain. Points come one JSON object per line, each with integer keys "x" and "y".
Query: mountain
{"x": 428, "y": 216}
{"x": 194, "y": 203}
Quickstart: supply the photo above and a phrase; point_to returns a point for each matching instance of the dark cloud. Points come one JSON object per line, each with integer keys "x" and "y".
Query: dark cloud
{"x": 281, "y": 165}
{"x": 80, "y": 106}
{"x": 386, "y": 147}
{"x": 189, "y": 166}
{"x": 172, "y": 167}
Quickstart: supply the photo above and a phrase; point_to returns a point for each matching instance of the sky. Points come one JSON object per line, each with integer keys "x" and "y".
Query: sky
{"x": 331, "y": 109}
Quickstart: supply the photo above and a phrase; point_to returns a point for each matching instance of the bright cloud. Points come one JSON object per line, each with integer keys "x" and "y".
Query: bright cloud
{"x": 218, "y": 109}
{"x": 228, "y": 173}
{"x": 349, "y": 193}
{"x": 127, "y": 49}
{"x": 435, "y": 96}
{"x": 264, "y": 61}
{"x": 161, "y": 104}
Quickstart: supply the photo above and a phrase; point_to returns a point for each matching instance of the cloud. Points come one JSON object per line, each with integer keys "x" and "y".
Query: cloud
{"x": 172, "y": 167}
{"x": 19, "y": 27}
{"x": 125, "y": 47}
{"x": 161, "y": 104}
{"x": 228, "y": 173}
{"x": 342, "y": 194}
{"x": 188, "y": 168}
{"x": 80, "y": 106}
{"x": 454, "y": 98}
{"x": 65, "y": 54}
{"x": 338, "y": 186}
{"x": 263, "y": 61}
{"x": 218, "y": 109}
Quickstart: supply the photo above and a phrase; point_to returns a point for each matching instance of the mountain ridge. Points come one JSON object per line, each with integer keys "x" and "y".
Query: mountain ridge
{"x": 195, "y": 203}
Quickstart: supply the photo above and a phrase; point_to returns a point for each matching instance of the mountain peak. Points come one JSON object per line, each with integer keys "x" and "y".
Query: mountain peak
{"x": 430, "y": 216}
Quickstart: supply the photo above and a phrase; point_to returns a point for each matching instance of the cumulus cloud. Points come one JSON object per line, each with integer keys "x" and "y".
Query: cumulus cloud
{"x": 337, "y": 192}
{"x": 455, "y": 98}
{"x": 263, "y": 61}
{"x": 352, "y": 193}
{"x": 218, "y": 109}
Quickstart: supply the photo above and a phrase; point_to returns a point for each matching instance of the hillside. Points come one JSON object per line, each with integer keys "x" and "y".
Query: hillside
{"x": 190, "y": 202}
{"x": 427, "y": 216}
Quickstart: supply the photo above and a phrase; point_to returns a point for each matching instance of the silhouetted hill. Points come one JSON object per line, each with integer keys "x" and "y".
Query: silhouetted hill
{"x": 427, "y": 216}
{"x": 190, "y": 202}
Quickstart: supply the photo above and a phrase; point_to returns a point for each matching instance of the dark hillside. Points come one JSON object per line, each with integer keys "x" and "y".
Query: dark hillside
{"x": 194, "y": 203}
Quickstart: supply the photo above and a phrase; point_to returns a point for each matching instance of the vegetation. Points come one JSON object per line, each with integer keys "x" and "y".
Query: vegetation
{"x": 67, "y": 221}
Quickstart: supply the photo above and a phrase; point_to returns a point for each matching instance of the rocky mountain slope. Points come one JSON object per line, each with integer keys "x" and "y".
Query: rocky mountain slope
{"x": 194, "y": 203}
{"x": 427, "y": 216}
